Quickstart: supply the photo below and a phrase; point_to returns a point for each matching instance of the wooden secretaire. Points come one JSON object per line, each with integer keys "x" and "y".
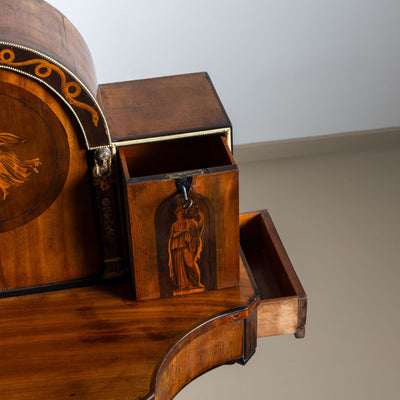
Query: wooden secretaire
{"x": 125, "y": 268}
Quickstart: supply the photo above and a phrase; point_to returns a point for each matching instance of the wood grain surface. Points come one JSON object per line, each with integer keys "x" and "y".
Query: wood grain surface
{"x": 40, "y": 43}
{"x": 146, "y": 193}
{"x": 283, "y": 305}
{"x": 60, "y": 244}
{"x": 38, "y": 25}
{"x": 97, "y": 343}
{"x": 162, "y": 106}
{"x": 34, "y": 155}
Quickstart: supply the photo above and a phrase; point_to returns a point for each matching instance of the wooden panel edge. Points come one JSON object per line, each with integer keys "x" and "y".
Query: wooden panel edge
{"x": 283, "y": 256}
{"x": 277, "y": 317}
{"x": 81, "y": 101}
{"x": 291, "y": 273}
{"x": 296, "y": 306}
{"x": 228, "y": 339}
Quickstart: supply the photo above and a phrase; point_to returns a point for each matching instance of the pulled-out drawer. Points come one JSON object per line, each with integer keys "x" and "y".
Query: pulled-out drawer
{"x": 283, "y": 304}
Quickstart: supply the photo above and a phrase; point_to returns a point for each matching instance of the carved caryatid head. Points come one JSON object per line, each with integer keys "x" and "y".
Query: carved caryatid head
{"x": 13, "y": 171}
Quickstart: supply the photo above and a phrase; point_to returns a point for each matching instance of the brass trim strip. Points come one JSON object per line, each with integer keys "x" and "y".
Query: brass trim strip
{"x": 226, "y": 131}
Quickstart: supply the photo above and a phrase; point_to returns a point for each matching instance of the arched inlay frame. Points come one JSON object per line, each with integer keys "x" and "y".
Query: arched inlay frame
{"x": 66, "y": 85}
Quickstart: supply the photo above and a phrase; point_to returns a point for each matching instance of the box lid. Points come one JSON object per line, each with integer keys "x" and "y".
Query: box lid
{"x": 163, "y": 108}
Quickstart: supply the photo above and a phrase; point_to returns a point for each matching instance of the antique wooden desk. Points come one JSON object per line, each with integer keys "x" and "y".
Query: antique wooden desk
{"x": 71, "y": 324}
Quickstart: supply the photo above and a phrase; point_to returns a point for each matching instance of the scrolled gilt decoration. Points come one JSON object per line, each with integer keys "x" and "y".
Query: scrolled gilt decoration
{"x": 44, "y": 69}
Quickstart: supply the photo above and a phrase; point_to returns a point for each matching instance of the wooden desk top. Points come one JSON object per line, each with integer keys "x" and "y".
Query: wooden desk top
{"x": 97, "y": 343}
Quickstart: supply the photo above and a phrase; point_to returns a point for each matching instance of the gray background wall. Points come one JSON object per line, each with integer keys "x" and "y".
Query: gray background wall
{"x": 283, "y": 68}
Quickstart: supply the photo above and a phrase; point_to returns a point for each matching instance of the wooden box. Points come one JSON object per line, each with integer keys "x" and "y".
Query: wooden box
{"x": 169, "y": 107}
{"x": 173, "y": 134}
{"x": 182, "y": 214}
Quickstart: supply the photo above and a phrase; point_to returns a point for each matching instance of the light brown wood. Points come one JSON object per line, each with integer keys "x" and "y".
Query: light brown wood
{"x": 150, "y": 173}
{"x": 98, "y": 344}
{"x": 60, "y": 244}
{"x": 38, "y": 25}
{"x": 202, "y": 354}
{"x": 34, "y": 155}
{"x": 277, "y": 317}
{"x": 283, "y": 305}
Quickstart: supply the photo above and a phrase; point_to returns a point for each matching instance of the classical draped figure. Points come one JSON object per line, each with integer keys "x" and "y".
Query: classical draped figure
{"x": 13, "y": 171}
{"x": 184, "y": 247}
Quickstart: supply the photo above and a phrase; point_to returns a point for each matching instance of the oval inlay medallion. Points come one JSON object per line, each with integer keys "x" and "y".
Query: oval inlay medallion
{"x": 34, "y": 156}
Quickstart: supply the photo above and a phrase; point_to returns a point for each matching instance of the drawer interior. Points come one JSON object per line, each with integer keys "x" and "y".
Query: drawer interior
{"x": 263, "y": 259}
{"x": 163, "y": 157}
{"x": 283, "y": 301}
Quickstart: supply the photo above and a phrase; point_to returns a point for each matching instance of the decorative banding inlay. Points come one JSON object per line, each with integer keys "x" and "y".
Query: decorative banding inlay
{"x": 65, "y": 84}
{"x": 44, "y": 69}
